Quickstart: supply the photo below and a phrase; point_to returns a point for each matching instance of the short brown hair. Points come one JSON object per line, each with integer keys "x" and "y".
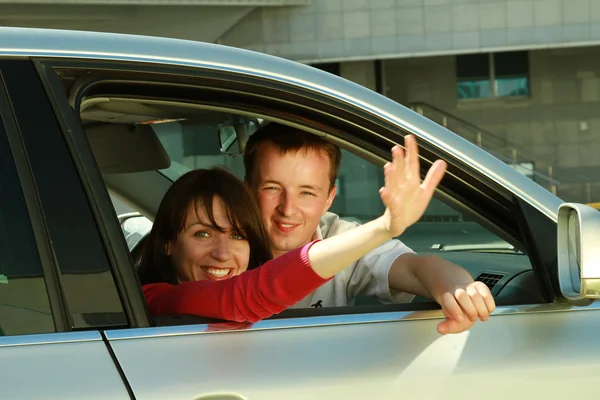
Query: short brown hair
{"x": 200, "y": 187}
{"x": 286, "y": 139}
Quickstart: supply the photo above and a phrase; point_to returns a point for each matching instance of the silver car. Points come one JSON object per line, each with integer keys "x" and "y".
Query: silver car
{"x": 94, "y": 126}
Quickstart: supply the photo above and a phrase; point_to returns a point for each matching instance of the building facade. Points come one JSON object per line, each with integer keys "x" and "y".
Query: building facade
{"x": 519, "y": 77}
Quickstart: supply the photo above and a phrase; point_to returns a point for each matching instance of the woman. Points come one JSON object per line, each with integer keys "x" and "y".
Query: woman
{"x": 203, "y": 254}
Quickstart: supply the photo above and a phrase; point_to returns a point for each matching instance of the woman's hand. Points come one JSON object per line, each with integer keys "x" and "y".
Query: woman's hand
{"x": 404, "y": 195}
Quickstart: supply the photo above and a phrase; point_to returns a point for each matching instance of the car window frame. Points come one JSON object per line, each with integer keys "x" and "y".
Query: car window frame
{"x": 374, "y": 134}
{"x": 26, "y": 92}
{"x": 43, "y": 242}
{"x": 112, "y": 241}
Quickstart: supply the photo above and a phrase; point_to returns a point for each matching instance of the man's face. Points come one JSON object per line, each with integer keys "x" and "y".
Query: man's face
{"x": 293, "y": 193}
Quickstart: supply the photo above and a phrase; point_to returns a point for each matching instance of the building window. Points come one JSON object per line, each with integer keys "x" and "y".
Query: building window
{"x": 492, "y": 75}
{"x": 332, "y": 68}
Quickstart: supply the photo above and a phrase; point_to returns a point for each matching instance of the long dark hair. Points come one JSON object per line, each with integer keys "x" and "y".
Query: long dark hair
{"x": 200, "y": 187}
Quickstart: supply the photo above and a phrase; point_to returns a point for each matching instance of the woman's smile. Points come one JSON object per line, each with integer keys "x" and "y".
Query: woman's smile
{"x": 216, "y": 273}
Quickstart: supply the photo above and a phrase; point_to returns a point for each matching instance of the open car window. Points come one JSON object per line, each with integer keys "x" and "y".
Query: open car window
{"x": 470, "y": 223}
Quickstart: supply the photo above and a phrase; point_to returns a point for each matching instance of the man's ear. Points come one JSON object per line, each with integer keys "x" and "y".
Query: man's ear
{"x": 330, "y": 199}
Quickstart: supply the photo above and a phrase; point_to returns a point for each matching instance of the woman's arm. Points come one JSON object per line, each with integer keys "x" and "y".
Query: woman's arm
{"x": 250, "y": 296}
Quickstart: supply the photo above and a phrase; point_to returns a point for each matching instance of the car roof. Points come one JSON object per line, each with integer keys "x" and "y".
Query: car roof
{"x": 50, "y": 43}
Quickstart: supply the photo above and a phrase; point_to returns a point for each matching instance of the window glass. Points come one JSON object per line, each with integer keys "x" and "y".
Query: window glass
{"x": 474, "y": 89}
{"x": 24, "y": 304}
{"x": 475, "y": 77}
{"x": 440, "y": 229}
{"x": 511, "y": 64}
{"x": 193, "y": 146}
{"x": 512, "y": 86}
{"x": 511, "y": 73}
{"x": 472, "y": 66}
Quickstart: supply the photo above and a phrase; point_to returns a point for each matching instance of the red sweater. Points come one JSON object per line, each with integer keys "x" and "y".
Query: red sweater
{"x": 250, "y": 296}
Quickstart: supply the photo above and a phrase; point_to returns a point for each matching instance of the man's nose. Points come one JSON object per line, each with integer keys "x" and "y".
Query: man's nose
{"x": 221, "y": 251}
{"x": 286, "y": 206}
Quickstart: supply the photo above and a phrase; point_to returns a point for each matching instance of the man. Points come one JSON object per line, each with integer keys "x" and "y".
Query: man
{"x": 292, "y": 174}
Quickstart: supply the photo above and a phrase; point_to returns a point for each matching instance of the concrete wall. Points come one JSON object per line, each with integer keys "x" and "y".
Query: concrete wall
{"x": 201, "y": 23}
{"x": 358, "y": 29}
{"x": 559, "y": 124}
{"x": 325, "y": 30}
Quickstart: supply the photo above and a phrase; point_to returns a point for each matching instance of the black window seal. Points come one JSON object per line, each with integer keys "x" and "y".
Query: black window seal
{"x": 540, "y": 235}
{"x": 124, "y": 274}
{"x": 52, "y": 276}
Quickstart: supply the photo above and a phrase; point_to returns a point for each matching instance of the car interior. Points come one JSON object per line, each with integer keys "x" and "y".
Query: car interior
{"x": 142, "y": 145}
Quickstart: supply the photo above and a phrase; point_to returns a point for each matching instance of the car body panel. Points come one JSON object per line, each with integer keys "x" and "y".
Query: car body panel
{"x": 71, "y": 365}
{"x": 531, "y": 353}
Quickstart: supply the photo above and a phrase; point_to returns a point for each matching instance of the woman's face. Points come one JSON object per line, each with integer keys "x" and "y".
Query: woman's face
{"x": 201, "y": 252}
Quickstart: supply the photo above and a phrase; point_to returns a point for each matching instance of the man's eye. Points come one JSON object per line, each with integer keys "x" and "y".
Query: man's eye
{"x": 202, "y": 234}
{"x": 308, "y": 193}
{"x": 270, "y": 188}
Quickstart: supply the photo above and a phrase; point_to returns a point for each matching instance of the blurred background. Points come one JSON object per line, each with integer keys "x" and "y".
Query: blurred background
{"x": 520, "y": 78}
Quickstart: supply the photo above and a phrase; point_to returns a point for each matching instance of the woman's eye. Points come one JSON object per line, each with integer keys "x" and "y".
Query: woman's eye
{"x": 201, "y": 234}
{"x": 237, "y": 236}
{"x": 270, "y": 188}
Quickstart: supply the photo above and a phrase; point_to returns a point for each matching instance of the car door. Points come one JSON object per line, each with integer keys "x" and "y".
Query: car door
{"x": 47, "y": 349}
{"x": 541, "y": 349}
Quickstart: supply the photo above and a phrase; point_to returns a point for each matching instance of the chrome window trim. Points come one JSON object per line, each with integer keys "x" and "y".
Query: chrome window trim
{"x": 24, "y": 42}
{"x": 50, "y": 338}
{"x": 344, "y": 319}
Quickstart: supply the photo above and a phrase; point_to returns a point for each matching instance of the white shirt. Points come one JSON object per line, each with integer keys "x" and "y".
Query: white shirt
{"x": 367, "y": 277}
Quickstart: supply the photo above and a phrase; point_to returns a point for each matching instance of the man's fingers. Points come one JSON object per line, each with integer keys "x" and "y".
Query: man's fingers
{"x": 452, "y": 326}
{"x": 466, "y": 304}
{"x": 463, "y": 307}
{"x": 444, "y": 326}
{"x": 398, "y": 157}
{"x": 384, "y": 193}
{"x": 412, "y": 157}
{"x": 486, "y": 295}
{"x": 451, "y": 308}
{"x": 387, "y": 170}
{"x": 434, "y": 176}
{"x": 458, "y": 327}
{"x": 478, "y": 302}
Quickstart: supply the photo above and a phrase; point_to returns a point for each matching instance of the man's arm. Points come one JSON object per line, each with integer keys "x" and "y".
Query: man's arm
{"x": 463, "y": 300}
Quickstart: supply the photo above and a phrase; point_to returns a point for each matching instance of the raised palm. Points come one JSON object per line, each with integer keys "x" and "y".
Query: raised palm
{"x": 404, "y": 195}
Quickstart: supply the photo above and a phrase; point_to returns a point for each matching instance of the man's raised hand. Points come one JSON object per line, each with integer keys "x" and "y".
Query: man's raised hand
{"x": 404, "y": 195}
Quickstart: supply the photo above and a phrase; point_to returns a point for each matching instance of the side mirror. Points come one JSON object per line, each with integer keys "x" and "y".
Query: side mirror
{"x": 579, "y": 251}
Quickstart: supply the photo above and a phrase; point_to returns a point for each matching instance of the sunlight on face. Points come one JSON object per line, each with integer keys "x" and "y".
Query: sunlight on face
{"x": 202, "y": 252}
{"x": 293, "y": 193}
